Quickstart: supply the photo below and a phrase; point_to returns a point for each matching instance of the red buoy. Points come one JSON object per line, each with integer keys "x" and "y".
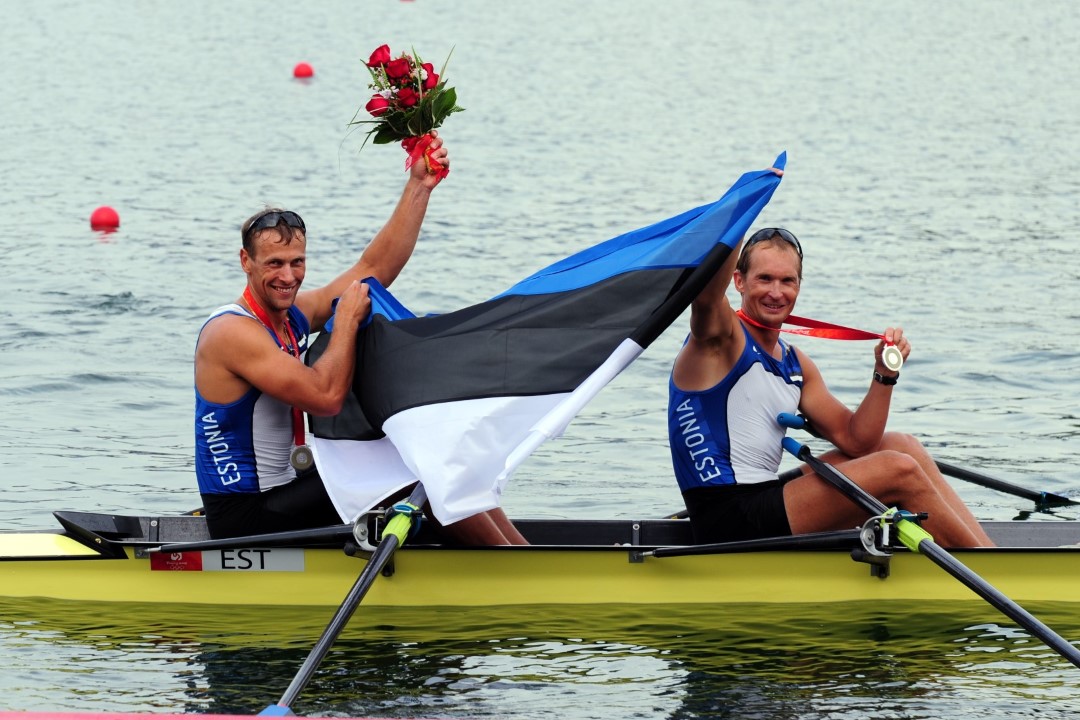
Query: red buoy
{"x": 303, "y": 70}
{"x": 104, "y": 218}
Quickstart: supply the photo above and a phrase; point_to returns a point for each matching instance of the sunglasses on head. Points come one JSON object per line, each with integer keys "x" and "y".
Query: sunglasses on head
{"x": 769, "y": 233}
{"x": 271, "y": 219}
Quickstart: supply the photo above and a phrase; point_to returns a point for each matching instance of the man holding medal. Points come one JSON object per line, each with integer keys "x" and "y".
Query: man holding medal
{"x": 734, "y": 376}
{"x": 254, "y": 470}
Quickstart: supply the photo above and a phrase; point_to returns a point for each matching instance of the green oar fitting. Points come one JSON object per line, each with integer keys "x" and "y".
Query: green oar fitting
{"x": 401, "y": 521}
{"x": 909, "y": 532}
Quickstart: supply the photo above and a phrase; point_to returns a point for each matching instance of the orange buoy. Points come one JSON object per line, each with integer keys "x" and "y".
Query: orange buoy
{"x": 303, "y": 70}
{"x": 104, "y": 218}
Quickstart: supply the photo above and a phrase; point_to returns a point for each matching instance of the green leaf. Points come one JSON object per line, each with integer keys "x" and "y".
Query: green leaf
{"x": 386, "y": 135}
{"x": 444, "y": 103}
{"x": 442, "y": 71}
{"x": 398, "y": 122}
{"x": 416, "y": 124}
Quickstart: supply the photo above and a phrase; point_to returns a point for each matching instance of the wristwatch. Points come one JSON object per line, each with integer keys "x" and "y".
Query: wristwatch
{"x": 878, "y": 377}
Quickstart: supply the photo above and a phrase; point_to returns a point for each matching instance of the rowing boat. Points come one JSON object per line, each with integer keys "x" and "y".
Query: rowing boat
{"x": 98, "y": 557}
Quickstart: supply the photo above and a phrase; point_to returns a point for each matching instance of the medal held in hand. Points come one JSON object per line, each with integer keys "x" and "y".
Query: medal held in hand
{"x": 892, "y": 357}
{"x": 890, "y": 354}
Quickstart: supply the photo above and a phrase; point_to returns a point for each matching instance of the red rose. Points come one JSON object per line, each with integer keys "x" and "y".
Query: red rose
{"x": 377, "y": 105}
{"x": 380, "y": 57}
{"x": 407, "y": 97}
{"x": 400, "y": 68}
{"x": 432, "y": 78}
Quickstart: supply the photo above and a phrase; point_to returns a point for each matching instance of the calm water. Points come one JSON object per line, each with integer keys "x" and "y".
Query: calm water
{"x": 735, "y": 662}
{"x": 931, "y": 179}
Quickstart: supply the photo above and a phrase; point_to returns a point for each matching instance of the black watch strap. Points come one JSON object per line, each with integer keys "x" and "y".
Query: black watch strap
{"x": 878, "y": 377}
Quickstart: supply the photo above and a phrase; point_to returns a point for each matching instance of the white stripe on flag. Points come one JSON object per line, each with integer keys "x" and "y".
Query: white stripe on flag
{"x": 358, "y": 474}
{"x": 458, "y": 449}
{"x": 464, "y": 452}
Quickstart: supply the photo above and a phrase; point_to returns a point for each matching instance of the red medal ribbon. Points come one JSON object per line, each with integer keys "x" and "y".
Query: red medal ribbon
{"x": 420, "y": 147}
{"x": 293, "y": 348}
{"x": 816, "y": 328}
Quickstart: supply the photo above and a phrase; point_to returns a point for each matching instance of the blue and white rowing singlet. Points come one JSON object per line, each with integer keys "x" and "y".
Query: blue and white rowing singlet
{"x": 728, "y": 434}
{"x": 244, "y": 446}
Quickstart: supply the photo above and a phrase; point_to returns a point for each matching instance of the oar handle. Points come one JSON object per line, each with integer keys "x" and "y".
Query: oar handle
{"x": 794, "y": 447}
{"x": 791, "y": 420}
{"x": 827, "y": 472}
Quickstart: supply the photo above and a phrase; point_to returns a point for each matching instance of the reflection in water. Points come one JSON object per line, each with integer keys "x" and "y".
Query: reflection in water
{"x": 800, "y": 661}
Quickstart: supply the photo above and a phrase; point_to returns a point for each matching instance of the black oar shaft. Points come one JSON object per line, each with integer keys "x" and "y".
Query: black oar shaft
{"x": 1010, "y": 609}
{"x": 337, "y": 623}
{"x": 977, "y": 478}
{"x": 393, "y": 535}
{"x": 939, "y": 556}
{"x": 839, "y": 539}
{"x": 330, "y": 534}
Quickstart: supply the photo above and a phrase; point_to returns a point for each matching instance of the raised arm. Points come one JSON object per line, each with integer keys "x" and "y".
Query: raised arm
{"x": 710, "y": 350}
{"x": 391, "y": 247}
{"x": 712, "y": 318}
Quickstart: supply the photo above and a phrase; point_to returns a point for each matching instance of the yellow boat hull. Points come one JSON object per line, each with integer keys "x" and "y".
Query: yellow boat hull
{"x": 516, "y": 576}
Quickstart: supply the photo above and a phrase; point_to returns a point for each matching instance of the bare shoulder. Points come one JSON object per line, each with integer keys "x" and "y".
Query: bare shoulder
{"x": 229, "y": 346}
{"x": 228, "y": 331}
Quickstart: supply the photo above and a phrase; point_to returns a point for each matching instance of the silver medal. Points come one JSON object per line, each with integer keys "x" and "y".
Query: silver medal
{"x": 301, "y": 457}
{"x": 892, "y": 357}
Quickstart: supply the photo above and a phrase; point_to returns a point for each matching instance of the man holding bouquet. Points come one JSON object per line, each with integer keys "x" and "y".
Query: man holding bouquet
{"x": 254, "y": 471}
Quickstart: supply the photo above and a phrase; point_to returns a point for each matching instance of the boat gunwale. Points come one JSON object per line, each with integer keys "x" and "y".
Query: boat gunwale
{"x": 109, "y": 536}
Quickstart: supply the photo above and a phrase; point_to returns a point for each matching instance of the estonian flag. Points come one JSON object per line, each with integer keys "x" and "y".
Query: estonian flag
{"x": 458, "y": 401}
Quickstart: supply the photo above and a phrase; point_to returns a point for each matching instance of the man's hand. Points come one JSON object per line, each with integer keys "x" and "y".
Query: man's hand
{"x": 353, "y": 306}
{"x": 893, "y": 336}
{"x": 429, "y": 176}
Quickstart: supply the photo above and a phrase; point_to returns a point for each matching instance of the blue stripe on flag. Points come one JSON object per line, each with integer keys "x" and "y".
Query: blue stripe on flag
{"x": 680, "y": 241}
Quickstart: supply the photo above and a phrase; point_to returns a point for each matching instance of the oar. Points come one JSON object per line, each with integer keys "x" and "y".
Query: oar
{"x": 1041, "y": 499}
{"x": 916, "y": 539}
{"x": 393, "y": 537}
{"x": 312, "y": 536}
{"x": 830, "y": 540}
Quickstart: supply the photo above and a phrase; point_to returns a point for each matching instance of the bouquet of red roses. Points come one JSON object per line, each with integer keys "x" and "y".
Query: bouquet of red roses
{"x": 410, "y": 101}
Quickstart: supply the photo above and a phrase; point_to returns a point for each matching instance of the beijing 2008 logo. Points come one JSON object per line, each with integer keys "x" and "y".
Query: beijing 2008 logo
{"x": 176, "y": 561}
